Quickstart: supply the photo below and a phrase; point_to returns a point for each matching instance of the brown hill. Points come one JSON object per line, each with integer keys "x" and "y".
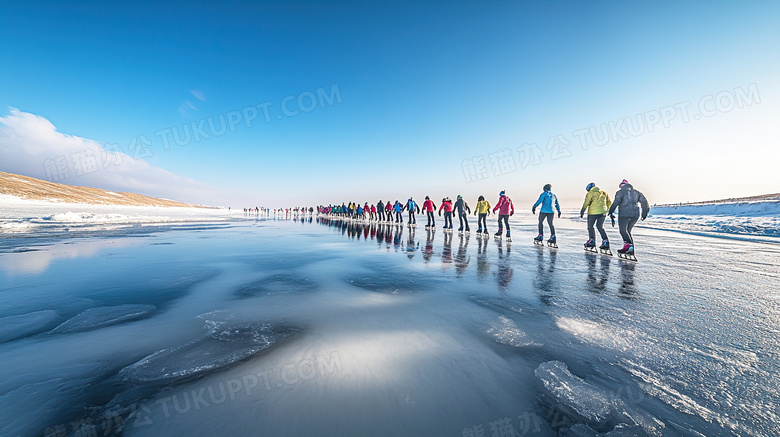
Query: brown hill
{"x": 37, "y": 189}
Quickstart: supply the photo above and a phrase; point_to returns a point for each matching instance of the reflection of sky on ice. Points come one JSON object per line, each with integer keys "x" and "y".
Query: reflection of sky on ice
{"x": 433, "y": 332}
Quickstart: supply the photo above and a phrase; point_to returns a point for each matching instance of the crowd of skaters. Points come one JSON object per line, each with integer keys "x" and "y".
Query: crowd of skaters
{"x": 630, "y": 205}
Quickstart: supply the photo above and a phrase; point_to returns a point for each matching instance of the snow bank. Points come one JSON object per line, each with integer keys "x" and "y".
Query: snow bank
{"x": 23, "y": 216}
{"x": 741, "y": 218}
{"x": 743, "y": 209}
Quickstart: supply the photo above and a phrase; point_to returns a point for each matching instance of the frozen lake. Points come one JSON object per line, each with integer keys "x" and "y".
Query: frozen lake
{"x": 324, "y": 328}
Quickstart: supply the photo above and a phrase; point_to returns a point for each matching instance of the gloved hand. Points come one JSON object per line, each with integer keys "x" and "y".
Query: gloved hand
{"x": 439, "y": 213}
{"x": 613, "y": 220}
{"x": 559, "y": 214}
{"x": 644, "y": 216}
{"x": 533, "y": 210}
{"x": 582, "y": 213}
{"x": 511, "y": 214}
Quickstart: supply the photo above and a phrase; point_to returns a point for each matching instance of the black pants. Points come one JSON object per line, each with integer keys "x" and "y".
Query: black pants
{"x": 447, "y": 219}
{"x": 463, "y": 218}
{"x": 482, "y": 221}
{"x": 431, "y": 219}
{"x": 399, "y": 218}
{"x": 598, "y": 220}
{"x": 626, "y": 224}
{"x": 381, "y": 213}
{"x": 412, "y": 218}
{"x": 505, "y": 218}
{"x": 549, "y": 217}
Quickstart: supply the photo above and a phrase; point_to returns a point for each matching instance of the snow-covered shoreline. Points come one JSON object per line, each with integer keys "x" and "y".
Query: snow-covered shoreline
{"x": 738, "y": 218}
{"x": 19, "y": 215}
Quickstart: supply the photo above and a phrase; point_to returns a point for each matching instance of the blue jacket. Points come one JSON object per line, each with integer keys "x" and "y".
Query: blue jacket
{"x": 546, "y": 199}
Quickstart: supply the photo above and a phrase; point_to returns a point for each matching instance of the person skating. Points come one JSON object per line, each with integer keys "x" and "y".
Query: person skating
{"x": 389, "y": 211}
{"x": 626, "y": 200}
{"x": 597, "y": 204}
{"x": 429, "y": 207}
{"x": 446, "y": 205}
{"x": 505, "y": 209}
{"x": 411, "y": 206}
{"x": 398, "y": 208}
{"x": 380, "y": 210}
{"x": 461, "y": 208}
{"x": 373, "y": 213}
{"x": 482, "y": 210}
{"x": 547, "y": 199}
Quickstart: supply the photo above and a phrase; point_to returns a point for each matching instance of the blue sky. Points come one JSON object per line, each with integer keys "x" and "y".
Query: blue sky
{"x": 392, "y": 99}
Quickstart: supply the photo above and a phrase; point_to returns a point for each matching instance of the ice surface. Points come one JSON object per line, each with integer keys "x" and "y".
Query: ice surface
{"x": 13, "y": 327}
{"x": 277, "y": 284}
{"x": 104, "y": 316}
{"x": 685, "y": 341}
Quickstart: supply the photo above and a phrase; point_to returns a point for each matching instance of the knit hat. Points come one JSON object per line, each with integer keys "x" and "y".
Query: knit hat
{"x": 501, "y": 194}
{"x": 459, "y": 196}
{"x": 590, "y": 185}
{"x": 625, "y": 182}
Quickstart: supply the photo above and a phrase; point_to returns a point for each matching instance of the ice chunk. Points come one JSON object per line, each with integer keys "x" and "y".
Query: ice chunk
{"x": 223, "y": 346}
{"x": 584, "y": 398}
{"x": 596, "y": 405}
{"x": 104, "y": 316}
{"x": 13, "y": 327}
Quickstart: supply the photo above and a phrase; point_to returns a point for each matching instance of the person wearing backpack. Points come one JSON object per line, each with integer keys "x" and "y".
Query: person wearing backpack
{"x": 460, "y": 206}
{"x": 380, "y": 209}
{"x": 446, "y": 205}
{"x": 411, "y": 206}
{"x": 626, "y": 200}
{"x": 547, "y": 199}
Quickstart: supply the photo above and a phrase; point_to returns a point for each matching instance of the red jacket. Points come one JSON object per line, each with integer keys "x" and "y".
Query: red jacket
{"x": 504, "y": 206}
{"x": 446, "y": 205}
{"x": 389, "y": 207}
{"x": 428, "y": 206}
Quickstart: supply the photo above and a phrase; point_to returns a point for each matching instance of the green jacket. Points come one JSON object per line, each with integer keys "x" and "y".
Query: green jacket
{"x": 596, "y": 202}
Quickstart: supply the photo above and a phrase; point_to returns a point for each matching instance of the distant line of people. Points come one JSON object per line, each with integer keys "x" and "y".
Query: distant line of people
{"x": 630, "y": 204}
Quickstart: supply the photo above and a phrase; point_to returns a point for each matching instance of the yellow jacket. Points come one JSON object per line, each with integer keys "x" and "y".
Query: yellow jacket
{"x": 482, "y": 207}
{"x": 597, "y": 202}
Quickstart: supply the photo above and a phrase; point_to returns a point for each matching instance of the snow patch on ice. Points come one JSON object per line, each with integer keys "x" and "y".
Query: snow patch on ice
{"x": 599, "y": 334}
{"x": 505, "y": 331}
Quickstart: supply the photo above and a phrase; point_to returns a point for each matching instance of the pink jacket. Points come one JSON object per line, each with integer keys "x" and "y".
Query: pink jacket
{"x": 447, "y": 206}
{"x": 504, "y": 206}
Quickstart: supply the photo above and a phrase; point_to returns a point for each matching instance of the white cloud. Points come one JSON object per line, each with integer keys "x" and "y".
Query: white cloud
{"x": 30, "y": 145}
{"x": 198, "y": 95}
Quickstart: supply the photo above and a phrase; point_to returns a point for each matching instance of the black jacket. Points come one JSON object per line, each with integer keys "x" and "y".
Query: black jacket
{"x": 626, "y": 199}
